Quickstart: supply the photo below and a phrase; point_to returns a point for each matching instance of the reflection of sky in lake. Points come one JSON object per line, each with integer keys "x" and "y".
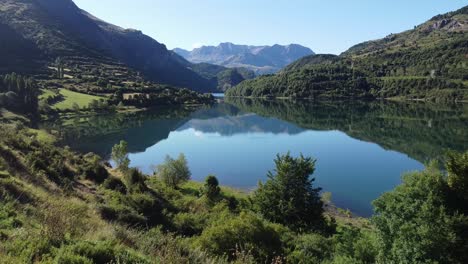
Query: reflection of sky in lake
{"x": 239, "y": 146}
{"x": 355, "y": 172}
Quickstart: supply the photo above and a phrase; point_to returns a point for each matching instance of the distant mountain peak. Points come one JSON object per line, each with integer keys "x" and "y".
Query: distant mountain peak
{"x": 261, "y": 59}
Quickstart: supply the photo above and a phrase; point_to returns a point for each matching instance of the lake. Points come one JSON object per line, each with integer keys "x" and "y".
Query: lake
{"x": 361, "y": 148}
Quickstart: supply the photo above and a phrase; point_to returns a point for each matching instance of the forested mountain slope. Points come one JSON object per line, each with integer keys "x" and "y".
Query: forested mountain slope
{"x": 429, "y": 61}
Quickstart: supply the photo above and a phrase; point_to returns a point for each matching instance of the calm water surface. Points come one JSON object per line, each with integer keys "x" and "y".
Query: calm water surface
{"x": 361, "y": 148}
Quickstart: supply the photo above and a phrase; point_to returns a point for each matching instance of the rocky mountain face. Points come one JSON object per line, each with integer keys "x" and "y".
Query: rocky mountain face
{"x": 261, "y": 59}
{"x": 36, "y": 32}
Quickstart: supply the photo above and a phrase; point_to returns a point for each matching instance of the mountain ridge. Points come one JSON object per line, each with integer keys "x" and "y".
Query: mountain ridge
{"x": 428, "y": 62}
{"x": 261, "y": 59}
{"x": 41, "y": 31}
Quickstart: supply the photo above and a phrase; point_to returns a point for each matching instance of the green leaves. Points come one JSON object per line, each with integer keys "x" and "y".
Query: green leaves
{"x": 120, "y": 156}
{"x": 173, "y": 171}
{"x": 288, "y": 197}
{"x": 415, "y": 221}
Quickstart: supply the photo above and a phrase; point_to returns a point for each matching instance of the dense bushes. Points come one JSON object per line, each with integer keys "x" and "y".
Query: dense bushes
{"x": 419, "y": 221}
{"x": 244, "y": 232}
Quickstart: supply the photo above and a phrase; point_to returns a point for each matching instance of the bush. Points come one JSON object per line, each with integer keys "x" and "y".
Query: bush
{"x": 114, "y": 184}
{"x": 135, "y": 181}
{"x": 61, "y": 220}
{"x": 97, "y": 252}
{"x": 189, "y": 224}
{"x": 173, "y": 172}
{"x": 245, "y": 232}
{"x": 356, "y": 243}
{"x": 93, "y": 170}
{"x": 211, "y": 188}
{"x": 311, "y": 248}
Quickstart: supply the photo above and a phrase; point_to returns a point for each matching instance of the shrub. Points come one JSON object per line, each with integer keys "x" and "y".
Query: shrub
{"x": 211, "y": 188}
{"x": 135, "y": 181}
{"x": 115, "y": 184}
{"x": 93, "y": 170}
{"x": 97, "y": 252}
{"x": 311, "y": 248}
{"x": 189, "y": 224}
{"x": 245, "y": 232}
{"x": 173, "y": 172}
{"x": 356, "y": 243}
{"x": 61, "y": 220}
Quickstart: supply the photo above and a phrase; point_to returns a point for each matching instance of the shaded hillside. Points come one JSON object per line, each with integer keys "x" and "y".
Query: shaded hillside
{"x": 37, "y": 32}
{"x": 429, "y": 61}
{"x": 260, "y": 59}
{"x": 221, "y": 77}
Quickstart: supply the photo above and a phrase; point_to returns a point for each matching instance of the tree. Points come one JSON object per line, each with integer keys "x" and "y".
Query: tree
{"x": 457, "y": 168}
{"x": 173, "y": 171}
{"x": 288, "y": 197}
{"x": 415, "y": 223}
{"x": 120, "y": 155}
{"x": 211, "y": 188}
{"x": 60, "y": 67}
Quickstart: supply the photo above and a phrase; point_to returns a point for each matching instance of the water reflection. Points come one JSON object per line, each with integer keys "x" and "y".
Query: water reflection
{"x": 362, "y": 148}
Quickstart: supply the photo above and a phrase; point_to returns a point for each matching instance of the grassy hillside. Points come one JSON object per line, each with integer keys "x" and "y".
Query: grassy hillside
{"x": 69, "y": 99}
{"x": 427, "y": 62}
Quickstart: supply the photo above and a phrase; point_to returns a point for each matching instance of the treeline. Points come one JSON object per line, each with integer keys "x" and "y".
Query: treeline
{"x": 19, "y": 93}
{"x": 340, "y": 80}
{"x": 172, "y": 97}
{"x": 318, "y": 81}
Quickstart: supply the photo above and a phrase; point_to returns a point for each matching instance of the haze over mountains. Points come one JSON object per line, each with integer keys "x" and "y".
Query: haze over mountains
{"x": 260, "y": 59}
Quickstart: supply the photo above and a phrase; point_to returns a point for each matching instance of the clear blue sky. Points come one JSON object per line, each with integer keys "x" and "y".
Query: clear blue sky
{"x": 326, "y": 26}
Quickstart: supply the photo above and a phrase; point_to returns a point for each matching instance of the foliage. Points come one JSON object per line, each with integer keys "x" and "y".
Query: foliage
{"x": 417, "y": 224}
{"x": 311, "y": 248}
{"x": 246, "y": 232}
{"x": 457, "y": 168}
{"x": 288, "y": 197}
{"x": 211, "y": 188}
{"x": 49, "y": 214}
{"x": 19, "y": 93}
{"x": 355, "y": 243}
{"x": 173, "y": 171}
{"x": 120, "y": 156}
{"x": 93, "y": 170}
